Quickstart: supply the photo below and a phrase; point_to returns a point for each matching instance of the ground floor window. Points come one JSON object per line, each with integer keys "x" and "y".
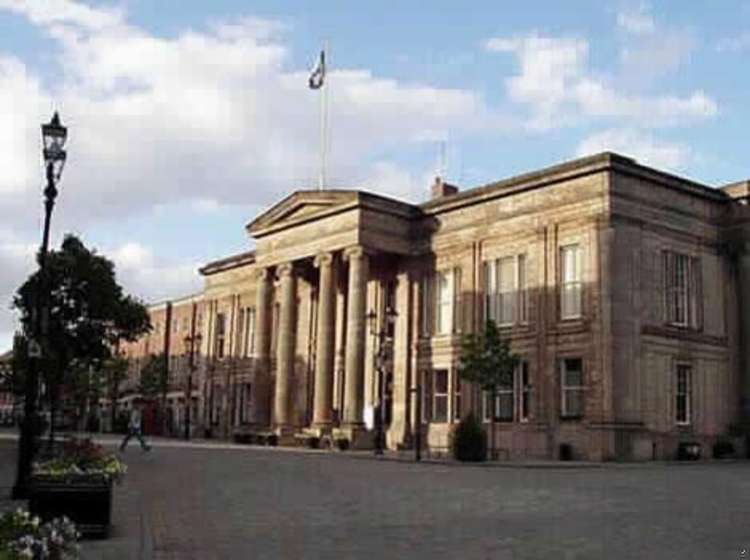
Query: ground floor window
{"x": 243, "y": 406}
{"x": 682, "y": 395}
{"x": 571, "y": 387}
{"x": 512, "y": 399}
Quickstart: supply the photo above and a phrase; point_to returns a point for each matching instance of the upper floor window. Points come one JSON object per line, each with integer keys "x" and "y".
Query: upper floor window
{"x": 440, "y": 302}
{"x": 571, "y": 387}
{"x": 220, "y": 334}
{"x": 248, "y": 332}
{"x": 446, "y": 289}
{"x": 682, "y": 395}
{"x": 571, "y": 281}
{"x": 505, "y": 290}
{"x": 682, "y": 276}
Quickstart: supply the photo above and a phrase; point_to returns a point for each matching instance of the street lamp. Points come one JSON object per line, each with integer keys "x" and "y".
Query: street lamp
{"x": 54, "y": 135}
{"x": 191, "y": 341}
{"x": 381, "y": 335}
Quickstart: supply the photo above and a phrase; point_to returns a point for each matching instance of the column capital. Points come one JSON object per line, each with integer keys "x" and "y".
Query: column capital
{"x": 323, "y": 259}
{"x": 285, "y": 269}
{"x": 263, "y": 274}
{"x": 356, "y": 252}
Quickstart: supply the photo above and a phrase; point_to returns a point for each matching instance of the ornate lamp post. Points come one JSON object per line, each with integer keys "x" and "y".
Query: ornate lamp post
{"x": 191, "y": 341}
{"x": 54, "y": 135}
{"x": 382, "y": 353}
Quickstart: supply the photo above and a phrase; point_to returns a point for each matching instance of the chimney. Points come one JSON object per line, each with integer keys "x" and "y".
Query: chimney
{"x": 441, "y": 189}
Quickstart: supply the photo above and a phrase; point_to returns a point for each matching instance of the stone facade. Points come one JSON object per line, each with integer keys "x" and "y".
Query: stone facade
{"x": 624, "y": 290}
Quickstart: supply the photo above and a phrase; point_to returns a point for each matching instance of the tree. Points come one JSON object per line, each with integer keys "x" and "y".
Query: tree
{"x": 87, "y": 313}
{"x": 486, "y": 360}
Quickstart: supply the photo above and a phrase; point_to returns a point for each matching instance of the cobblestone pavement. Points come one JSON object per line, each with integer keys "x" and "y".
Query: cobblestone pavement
{"x": 203, "y": 502}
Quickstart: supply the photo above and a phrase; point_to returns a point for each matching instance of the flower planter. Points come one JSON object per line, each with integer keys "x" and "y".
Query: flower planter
{"x": 85, "y": 500}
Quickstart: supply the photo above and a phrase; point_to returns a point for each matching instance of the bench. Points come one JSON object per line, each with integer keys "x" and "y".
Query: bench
{"x": 304, "y": 439}
{"x": 256, "y": 438}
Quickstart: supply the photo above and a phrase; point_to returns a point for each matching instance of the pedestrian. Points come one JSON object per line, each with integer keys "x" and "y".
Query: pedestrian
{"x": 134, "y": 429}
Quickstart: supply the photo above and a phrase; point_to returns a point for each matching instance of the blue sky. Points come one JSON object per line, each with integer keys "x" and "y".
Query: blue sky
{"x": 187, "y": 118}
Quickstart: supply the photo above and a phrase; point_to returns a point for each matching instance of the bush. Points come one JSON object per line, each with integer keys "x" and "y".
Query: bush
{"x": 469, "y": 441}
{"x": 723, "y": 449}
{"x": 25, "y": 536}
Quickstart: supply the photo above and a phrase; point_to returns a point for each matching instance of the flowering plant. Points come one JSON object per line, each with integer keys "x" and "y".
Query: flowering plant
{"x": 23, "y": 536}
{"x": 81, "y": 458}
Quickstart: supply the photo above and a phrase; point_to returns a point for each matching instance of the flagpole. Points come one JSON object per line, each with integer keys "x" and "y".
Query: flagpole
{"x": 324, "y": 121}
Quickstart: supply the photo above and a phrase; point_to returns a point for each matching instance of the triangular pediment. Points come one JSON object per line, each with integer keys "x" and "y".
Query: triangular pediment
{"x": 299, "y": 207}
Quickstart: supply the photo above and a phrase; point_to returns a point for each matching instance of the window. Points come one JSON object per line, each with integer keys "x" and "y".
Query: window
{"x": 570, "y": 282}
{"x": 243, "y": 406}
{"x": 505, "y": 290}
{"x": 440, "y": 395}
{"x": 512, "y": 400}
{"x": 249, "y": 342}
{"x": 571, "y": 387}
{"x": 525, "y": 389}
{"x": 456, "y": 397}
{"x": 220, "y": 334}
{"x": 445, "y": 283}
{"x": 426, "y": 396}
{"x": 682, "y": 395}
{"x": 683, "y": 290}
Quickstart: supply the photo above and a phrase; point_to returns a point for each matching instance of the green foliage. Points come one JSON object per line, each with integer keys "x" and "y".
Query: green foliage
{"x": 154, "y": 376}
{"x": 486, "y": 359}
{"x": 87, "y": 312}
{"x": 81, "y": 458}
{"x": 469, "y": 442}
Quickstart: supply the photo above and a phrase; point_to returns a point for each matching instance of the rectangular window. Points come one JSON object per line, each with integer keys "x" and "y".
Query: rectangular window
{"x": 440, "y": 395}
{"x": 524, "y": 385}
{"x": 504, "y": 402}
{"x": 571, "y": 387}
{"x": 248, "y": 332}
{"x": 456, "y": 397}
{"x": 683, "y": 394}
{"x": 506, "y": 283}
{"x": 244, "y": 403}
{"x": 505, "y": 290}
{"x": 444, "y": 304}
{"x": 490, "y": 291}
{"x": 677, "y": 275}
{"x": 570, "y": 281}
{"x": 220, "y": 334}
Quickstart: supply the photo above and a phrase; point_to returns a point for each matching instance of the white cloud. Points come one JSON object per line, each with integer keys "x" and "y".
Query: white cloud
{"x": 734, "y": 44}
{"x": 555, "y": 80}
{"x": 152, "y": 279}
{"x": 16, "y": 262}
{"x": 642, "y": 146}
{"x": 637, "y": 21}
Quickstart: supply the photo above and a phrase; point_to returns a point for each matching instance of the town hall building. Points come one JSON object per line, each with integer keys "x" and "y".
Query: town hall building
{"x": 624, "y": 290}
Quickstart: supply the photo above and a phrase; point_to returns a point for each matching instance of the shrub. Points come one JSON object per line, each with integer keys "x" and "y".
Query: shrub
{"x": 469, "y": 441}
{"x": 81, "y": 458}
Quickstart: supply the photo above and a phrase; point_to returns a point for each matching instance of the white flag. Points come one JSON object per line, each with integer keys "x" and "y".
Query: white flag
{"x": 319, "y": 72}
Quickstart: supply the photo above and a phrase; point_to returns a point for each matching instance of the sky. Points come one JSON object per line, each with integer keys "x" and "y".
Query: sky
{"x": 188, "y": 118}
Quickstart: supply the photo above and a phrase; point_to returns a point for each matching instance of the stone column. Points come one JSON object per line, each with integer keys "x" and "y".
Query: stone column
{"x": 285, "y": 347}
{"x": 355, "y": 336}
{"x": 262, "y": 346}
{"x": 324, "y": 352}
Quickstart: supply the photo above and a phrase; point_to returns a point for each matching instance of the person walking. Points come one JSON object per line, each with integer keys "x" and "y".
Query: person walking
{"x": 134, "y": 429}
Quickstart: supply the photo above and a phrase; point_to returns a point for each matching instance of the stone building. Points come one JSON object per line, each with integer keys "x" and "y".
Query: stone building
{"x": 624, "y": 290}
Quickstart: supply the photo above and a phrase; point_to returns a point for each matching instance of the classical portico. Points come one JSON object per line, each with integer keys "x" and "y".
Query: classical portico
{"x": 318, "y": 245}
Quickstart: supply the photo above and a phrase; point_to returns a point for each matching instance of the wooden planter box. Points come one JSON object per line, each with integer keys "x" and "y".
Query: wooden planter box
{"x": 86, "y": 500}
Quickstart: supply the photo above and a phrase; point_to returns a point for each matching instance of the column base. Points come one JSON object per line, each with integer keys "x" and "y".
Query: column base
{"x": 285, "y": 434}
{"x": 358, "y": 435}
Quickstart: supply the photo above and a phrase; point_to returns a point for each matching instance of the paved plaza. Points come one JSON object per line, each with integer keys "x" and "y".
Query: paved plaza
{"x": 206, "y": 501}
